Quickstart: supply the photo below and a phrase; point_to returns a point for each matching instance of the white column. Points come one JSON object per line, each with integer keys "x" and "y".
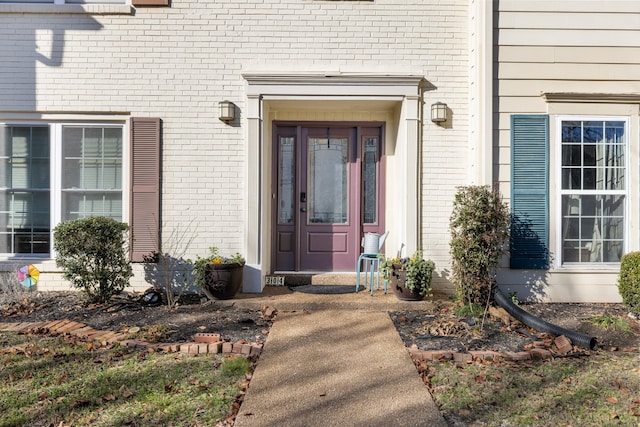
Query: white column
{"x": 411, "y": 226}
{"x": 481, "y": 92}
{"x": 253, "y": 275}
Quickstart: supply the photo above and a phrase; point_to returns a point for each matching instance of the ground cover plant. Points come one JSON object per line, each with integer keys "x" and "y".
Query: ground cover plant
{"x": 579, "y": 388}
{"x": 595, "y": 390}
{"x": 51, "y": 381}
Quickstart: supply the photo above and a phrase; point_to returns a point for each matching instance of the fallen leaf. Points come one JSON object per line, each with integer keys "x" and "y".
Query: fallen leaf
{"x": 63, "y": 379}
{"x": 79, "y": 403}
{"x": 109, "y": 397}
{"x": 612, "y": 399}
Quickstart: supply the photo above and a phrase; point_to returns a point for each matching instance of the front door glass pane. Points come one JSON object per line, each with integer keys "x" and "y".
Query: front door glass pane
{"x": 327, "y": 181}
{"x": 369, "y": 179}
{"x": 286, "y": 179}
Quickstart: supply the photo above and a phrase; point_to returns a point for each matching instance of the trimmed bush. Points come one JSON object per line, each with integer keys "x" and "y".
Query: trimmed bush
{"x": 479, "y": 226}
{"x": 92, "y": 253}
{"x": 629, "y": 281}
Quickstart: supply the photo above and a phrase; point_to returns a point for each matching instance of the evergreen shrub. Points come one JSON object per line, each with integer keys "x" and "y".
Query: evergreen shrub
{"x": 629, "y": 281}
{"x": 92, "y": 253}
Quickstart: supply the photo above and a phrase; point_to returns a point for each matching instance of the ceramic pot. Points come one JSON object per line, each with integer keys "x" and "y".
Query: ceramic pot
{"x": 222, "y": 281}
{"x": 397, "y": 281}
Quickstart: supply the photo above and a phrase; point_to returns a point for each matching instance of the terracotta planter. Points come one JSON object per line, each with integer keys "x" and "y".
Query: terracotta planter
{"x": 397, "y": 281}
{"x": 222, "y": 281}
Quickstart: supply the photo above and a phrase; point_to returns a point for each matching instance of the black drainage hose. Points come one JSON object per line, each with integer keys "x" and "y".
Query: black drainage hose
{"x": 542, "y": 326}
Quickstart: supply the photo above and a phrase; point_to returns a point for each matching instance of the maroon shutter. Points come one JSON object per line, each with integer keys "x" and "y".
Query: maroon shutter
{"x": 141, "y": 3}
{"x": 145, "y": 187}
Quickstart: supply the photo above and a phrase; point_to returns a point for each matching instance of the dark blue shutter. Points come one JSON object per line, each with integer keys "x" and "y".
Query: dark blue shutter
{"x": 530, "y": 191}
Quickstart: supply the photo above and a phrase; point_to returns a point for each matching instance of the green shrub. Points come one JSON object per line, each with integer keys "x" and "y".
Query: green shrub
{"x": 629, "y": 281}
{"x": 479, "y": 227}
{"x": 92, "y": 253}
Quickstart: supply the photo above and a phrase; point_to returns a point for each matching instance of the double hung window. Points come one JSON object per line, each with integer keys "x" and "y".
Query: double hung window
{"x": 593, "y": 193}
{"x": 56, "y": 172}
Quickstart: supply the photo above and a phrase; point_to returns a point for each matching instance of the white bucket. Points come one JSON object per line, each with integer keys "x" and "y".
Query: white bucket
{"x": 371, "y": 243}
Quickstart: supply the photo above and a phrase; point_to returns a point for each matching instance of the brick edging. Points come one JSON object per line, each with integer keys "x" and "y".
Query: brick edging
{"x": 539, "y": 350}
{"x": 203, "y": 343}
{"x": 480, "y": 355}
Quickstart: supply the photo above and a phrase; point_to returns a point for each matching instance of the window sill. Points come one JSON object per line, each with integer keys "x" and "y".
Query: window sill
{"x": 82, "y": 9}
{"x": 588, "y": 268}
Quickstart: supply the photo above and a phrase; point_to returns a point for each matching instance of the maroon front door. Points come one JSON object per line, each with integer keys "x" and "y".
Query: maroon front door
{"x": 328, "y": 193}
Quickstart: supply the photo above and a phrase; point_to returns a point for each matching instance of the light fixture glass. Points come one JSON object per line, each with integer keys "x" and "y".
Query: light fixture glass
{"x": 227, "y": 111}
{"x": 439, "y": 112}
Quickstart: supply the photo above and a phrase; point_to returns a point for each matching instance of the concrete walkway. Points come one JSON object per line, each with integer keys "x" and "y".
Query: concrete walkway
{"x": 340, "y": 363}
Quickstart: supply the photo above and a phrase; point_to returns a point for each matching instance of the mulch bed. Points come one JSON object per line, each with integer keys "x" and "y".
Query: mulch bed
{"x": 440, "y": 329}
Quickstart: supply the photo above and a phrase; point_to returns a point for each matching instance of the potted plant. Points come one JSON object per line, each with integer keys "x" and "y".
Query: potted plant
{"x": 220, "y": 277}
{"x": 410, "y": 278}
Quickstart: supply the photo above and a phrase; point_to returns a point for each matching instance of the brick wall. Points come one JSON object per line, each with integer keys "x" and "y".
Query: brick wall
{"x": 177, "y": 63}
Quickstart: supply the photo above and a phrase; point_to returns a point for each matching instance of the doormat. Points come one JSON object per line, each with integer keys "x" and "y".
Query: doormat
{"x": 326, "y": 289}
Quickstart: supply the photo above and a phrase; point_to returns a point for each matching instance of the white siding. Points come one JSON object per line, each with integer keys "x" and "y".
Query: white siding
{"x": 588, "y": 47}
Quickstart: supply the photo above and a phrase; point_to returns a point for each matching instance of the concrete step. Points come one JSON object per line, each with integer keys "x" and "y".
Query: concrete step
{"x": 296, "y": 279}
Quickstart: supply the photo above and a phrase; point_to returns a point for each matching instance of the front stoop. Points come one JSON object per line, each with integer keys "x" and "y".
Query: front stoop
{"x": 298, "y": 279}
{"x": 203, "y": 343}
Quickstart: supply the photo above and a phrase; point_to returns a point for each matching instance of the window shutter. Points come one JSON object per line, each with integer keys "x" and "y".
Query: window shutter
{"x": 145, "y": 187}
{"x": 142, "y": 3}
{"x": 530, "y": 191}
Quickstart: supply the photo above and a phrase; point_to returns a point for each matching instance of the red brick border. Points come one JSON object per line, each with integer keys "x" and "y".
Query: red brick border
{"x": 538, "y": 351}
{"x": 203, "y": 343}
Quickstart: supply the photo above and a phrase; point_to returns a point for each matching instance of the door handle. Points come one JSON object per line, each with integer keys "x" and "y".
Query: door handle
{"x": 303, "y": 209}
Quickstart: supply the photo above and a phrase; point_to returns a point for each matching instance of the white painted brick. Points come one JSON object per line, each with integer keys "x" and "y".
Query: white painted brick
{"x": 178, "y": 62}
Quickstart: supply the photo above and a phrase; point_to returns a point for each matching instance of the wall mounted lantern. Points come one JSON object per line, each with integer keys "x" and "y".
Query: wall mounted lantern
{"x": 439, "y": 112}
{"x": 227, "y": 111}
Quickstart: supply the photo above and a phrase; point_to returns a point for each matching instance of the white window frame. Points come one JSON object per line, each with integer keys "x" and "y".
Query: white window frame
{"x": 559, "y": 192}
{"x": 56, "y": 159}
